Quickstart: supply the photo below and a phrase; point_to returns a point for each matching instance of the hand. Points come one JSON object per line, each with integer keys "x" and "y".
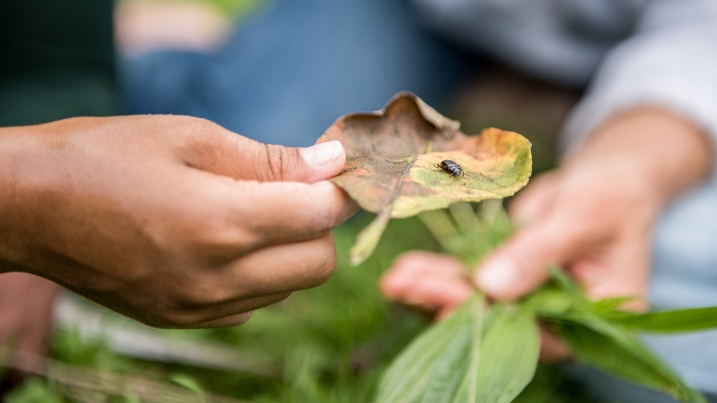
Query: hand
{"x": 436, "y": 283}
{"x": 26, "y": 303}
{"x": 170, "y": 220}
{"x": 594, "y": 217}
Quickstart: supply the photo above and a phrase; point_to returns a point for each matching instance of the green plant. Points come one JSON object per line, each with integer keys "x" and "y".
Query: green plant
{"x": 490, "y": 354}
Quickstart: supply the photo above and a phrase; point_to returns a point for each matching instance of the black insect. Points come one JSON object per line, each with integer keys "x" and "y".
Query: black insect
{"x": 451, "y": 167}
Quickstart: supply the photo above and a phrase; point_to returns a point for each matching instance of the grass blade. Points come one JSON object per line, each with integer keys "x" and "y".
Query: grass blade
{"x": 684, "y": 320}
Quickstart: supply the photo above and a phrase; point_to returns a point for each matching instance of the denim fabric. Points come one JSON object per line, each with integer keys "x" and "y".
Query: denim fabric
{"x": 287, "y": 74}
{"x": 684, "y": 275}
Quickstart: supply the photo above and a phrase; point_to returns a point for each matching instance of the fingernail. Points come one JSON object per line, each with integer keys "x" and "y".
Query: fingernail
{"x": 322, "y": 154}
{"x": 497, "y": 276}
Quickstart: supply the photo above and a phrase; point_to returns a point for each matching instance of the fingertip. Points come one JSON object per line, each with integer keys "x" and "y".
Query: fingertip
{"x": 325, "y": 160}
{"x": 499, "y": 278}
{"x": 394, "y": 283}
{"x": 438, "y": 292}
{"x": 407, "y": 270}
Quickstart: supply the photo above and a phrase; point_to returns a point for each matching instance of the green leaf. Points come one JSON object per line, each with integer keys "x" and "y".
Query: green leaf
{"x": 367, "y": 239}
{"x": 543, "y": 388}
{"x": 393, "y": 158}
{"x": 470, "y": 357}
{"x": 550, "y": 301}
{"x": 564, "y": 281}
{"x": 508, "y": 357}
{"x": 433, "y": 352}
{"x": 449, "y": 371}
{"x": 615, "y": 351}
{"x": 684, "y": 320}
{"x": 33, "y": 390}
{"x": 461, "y": 358}
{"x": 189, "y": 383}
{"x": 608, "y": 306}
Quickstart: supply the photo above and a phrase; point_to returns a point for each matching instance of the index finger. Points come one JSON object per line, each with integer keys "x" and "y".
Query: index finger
{"x": 270, "y": 213}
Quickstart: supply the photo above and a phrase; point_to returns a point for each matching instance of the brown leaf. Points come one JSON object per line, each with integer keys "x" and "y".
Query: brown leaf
{"x": 392, "y": 157}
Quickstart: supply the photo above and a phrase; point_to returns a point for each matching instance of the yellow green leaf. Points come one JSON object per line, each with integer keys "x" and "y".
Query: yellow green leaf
{"x": 393, "y": 159}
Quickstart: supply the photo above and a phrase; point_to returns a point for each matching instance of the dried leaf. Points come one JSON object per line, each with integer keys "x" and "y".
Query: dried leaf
{"x": 392, "y": 158}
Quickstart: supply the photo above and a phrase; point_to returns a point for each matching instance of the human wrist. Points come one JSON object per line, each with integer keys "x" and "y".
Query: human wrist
{"x": 664, "y": 152}
{"x": 14, "y": 143}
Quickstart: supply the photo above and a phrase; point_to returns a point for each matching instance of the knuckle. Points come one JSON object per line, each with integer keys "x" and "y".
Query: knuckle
{"x": 195, "y": 136}
{"x": 279, "y": 162}
{"x": 222, "y": 239}
{"x": 198, "y": 125}
{"x": 187, "y": 126}
{"x": 216, "y": 236}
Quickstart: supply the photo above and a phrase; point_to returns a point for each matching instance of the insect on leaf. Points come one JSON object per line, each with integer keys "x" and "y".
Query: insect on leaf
{"x": 393, "y": 157}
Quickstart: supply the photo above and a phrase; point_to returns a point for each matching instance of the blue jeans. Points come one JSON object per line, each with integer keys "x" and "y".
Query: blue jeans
{"x": 684, "y": 275}
{"x": 286, "y": 75}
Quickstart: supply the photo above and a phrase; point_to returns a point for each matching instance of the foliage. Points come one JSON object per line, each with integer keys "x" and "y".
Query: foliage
{"x": 597, "y": 332}
{"x": 34, "y": 390}
{"x": 394, "y": 156}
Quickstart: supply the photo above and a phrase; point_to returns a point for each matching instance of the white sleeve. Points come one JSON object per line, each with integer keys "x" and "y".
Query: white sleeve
{"x": 670, "y": 61}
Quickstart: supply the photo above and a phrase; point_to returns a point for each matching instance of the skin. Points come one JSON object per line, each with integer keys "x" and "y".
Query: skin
{"x": 594, "y": 216}
{"x": 170, "y": 220}
{"x": 26, "y": 303}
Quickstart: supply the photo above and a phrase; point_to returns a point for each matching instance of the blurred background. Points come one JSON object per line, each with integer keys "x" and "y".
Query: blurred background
{"x": 329, "y": 344}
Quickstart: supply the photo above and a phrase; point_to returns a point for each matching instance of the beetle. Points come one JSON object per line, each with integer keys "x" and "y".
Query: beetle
{"x": 451, "y": 167}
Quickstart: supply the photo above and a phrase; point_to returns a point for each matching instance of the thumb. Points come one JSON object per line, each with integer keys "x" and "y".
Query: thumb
{"x": 238, "y": 157}
{"x": 274, "y": 163}
{"x": 522, "y": 263}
